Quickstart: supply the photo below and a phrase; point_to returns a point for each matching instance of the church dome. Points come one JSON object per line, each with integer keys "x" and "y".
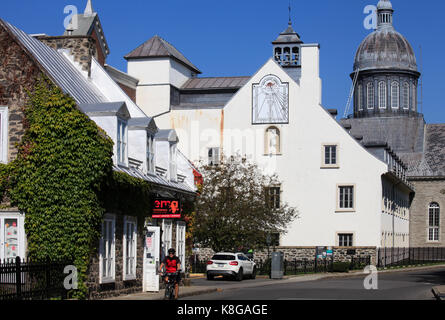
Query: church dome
{"x": 385, "y": 48}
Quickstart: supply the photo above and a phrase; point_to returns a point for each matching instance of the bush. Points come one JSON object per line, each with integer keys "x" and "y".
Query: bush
{"x": 340, "y": 267}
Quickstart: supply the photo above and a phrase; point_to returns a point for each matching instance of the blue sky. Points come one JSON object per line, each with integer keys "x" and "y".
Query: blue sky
{"x": 232, "y": 37}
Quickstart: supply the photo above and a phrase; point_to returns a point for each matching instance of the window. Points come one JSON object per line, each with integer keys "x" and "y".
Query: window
{"x": 330, "y": 155}
{"x": 3, "y": 134}
{"x": 433, "y": 222}
{"x": 406, "y": 96}
{"x": 273, "y": 197}
{"x": 272, "y": 141}
{"x": 129, "y": 243}
{"x": 360, "y": 97}
{"x": 121, "y": 142}
{"x": 395, "y": 95}
{"x": 180, "y": 241}
{"x": 173, "y": 161}
{"x": 346, "y": 198}
{"x": 278, "y": 53}
{"x": 107, "y": 250}
{"x": 150, "y": 154}
{"x": 213, "y": 156}
{"x": 370, "y": 95}
{"x": 166, "y": 236}
{"x": 414, "y": 99}
{"x": 345, "y": 239}
{"x": 382, "y": 95}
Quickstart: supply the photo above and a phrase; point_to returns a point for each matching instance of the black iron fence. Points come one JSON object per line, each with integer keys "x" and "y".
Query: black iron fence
{"x": 409, "y": 256}
{"x": 28, "y": 280}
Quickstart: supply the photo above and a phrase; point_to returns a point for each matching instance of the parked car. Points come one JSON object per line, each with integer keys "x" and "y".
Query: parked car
{"x": 235, "y": 265}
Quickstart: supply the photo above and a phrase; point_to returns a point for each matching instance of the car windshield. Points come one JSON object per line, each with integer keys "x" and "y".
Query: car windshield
{"x": 223, "y": 257}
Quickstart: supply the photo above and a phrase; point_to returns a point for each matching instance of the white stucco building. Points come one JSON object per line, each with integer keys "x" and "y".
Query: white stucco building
{"x": 347, "y": 193}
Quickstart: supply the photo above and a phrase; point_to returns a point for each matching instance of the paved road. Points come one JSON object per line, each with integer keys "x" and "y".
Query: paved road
{"x": 412, "y": 285}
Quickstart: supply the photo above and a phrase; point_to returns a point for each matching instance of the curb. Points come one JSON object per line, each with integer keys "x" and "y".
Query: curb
{"x": 195, "y": 293}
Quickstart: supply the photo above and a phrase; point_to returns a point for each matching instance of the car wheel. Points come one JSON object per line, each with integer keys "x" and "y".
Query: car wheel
{"x": 210, "y": 277}
{"x": 253, "y": 276}
{"x": 239, "y": 276}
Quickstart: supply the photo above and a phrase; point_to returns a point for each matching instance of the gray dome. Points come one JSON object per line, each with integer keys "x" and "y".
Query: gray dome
{"x": 385, "y": 48}
{"x": 384, "y": 5}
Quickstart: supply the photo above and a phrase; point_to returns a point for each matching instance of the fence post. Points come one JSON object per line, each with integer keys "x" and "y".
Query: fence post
{"x": 351, "y": 266}
{"x": 18, "y": 278}
{"x": 304, "y": 265}
{"x": 295, "y": 265}
{"x": 315, "y": 264}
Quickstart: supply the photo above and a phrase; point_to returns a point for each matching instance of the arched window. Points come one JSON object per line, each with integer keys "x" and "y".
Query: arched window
{"x": 433, "y": 222}
{"x": 395, "y": 95}
{"x": 382, "y": 95}
{"x": 370, "y": 95}
{"x": 286, "y": 54}
{"x": 414, "y": 99}
{"x": 295, "y": 55}
{"x": 360, "y": 97}
{"x": 272, "y": 141}
{"x": 278, "y": 53}
{"x": 405, "y": 96}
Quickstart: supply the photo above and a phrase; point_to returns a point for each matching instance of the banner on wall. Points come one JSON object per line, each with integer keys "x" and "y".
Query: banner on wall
{"x": 166, "y": 209}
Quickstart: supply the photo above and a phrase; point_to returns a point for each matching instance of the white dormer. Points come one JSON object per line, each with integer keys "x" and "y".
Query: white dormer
{"x": 141, "y": 150}
{"x": 166, "y": 154}
{"x": 113, "y": 118}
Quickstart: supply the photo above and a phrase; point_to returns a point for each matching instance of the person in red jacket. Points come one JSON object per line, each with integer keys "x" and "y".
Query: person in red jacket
{"x": 172, "y": 265}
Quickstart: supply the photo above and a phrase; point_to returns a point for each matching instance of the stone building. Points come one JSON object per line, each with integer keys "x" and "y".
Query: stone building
{"x": 386, "y": 112}
{"x": 141, "y": 150}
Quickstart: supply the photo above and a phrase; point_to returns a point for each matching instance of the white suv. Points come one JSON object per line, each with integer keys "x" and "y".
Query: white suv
{"x": 231, "y": 264}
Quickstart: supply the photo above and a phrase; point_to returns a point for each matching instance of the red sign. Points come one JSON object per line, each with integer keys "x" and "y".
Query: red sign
{"x": 166, "y": 209}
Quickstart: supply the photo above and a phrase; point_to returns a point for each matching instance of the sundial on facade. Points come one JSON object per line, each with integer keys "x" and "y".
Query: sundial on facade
{"x": 270, "y": 101}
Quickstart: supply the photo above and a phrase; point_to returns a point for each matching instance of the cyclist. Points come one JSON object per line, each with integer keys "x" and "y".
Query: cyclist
{"x": 172, "y": 265}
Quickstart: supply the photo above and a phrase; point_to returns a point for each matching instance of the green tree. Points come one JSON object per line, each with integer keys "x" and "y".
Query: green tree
{"x": 235, "y": 209}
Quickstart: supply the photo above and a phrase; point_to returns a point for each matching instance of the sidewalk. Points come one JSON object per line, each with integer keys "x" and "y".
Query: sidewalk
{"x": 199, "y": 290}
{"x": 439, "y": 292}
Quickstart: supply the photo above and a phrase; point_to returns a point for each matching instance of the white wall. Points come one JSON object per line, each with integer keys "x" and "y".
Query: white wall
{"x": 109, "y": 125}
{"x": 137, "y": 146}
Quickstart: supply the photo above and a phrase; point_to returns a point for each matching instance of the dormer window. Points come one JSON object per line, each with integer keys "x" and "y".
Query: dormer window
{"x": 121, "y": 142}
{"x": 150, "y": 154}
{"x": 173, "y": 165}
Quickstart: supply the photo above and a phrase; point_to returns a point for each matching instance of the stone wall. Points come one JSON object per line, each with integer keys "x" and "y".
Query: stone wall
{"x": 82, "y": 48}
{"x": 427, "y": 191}
{"x": 18, "y": 74}
{"x": 301, "y": 253}
{"x": 119, "y": 287}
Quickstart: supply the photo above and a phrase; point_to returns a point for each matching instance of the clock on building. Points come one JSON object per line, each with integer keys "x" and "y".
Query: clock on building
{"x": 270, "y": 101}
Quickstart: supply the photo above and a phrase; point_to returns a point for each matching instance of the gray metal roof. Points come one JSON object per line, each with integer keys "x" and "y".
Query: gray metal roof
{"x": 58, "y": 68}
{"x": 215, "y": 83}
{"x": 143, "y": 123}
{"x": 158, "y": 47}
{"x": 108, "y": 108}
{"x": 166, "y": 135}
{"x": 288, "y": 36}
{"x": 435, "y": 148}
{"x": 155, "y": 179}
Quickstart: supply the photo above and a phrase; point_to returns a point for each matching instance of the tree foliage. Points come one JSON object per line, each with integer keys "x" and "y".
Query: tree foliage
{"x": 233, "y": 210}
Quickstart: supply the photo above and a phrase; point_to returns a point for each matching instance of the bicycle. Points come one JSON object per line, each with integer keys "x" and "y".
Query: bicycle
{"x": 170, "y": 285}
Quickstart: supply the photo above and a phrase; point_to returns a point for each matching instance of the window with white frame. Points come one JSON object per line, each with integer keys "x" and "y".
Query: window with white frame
{"x": 370, "y": 95}
{"x": 395, "y": 95}
{"x": 272, "y": 141}
{"x": 214, "y": 158}
{"x": 346, "y": 197}
{"x": 166, "y": 236}
{"x": 173, "y": 163}
{"x": 107, "y": 250}
{"x": 121, "y": 142}
{"x": 180, "y": 241}
{"x": 433, "y": 222}
{"x": 330, "y": 155}
{"x": 406, "y": 96}
{"x": 382, "y": 95}
{"x": 150, "y": 154}
{"x": 345, "y": 239}
{"x": 273, "y": 197}
{"x": 3, "y": 134}
{"x": 360, "y": 97}
{"x": 130, "y": 247}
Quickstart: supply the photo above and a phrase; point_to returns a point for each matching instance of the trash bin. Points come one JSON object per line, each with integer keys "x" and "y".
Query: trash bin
{"x": 277, "y": 267}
